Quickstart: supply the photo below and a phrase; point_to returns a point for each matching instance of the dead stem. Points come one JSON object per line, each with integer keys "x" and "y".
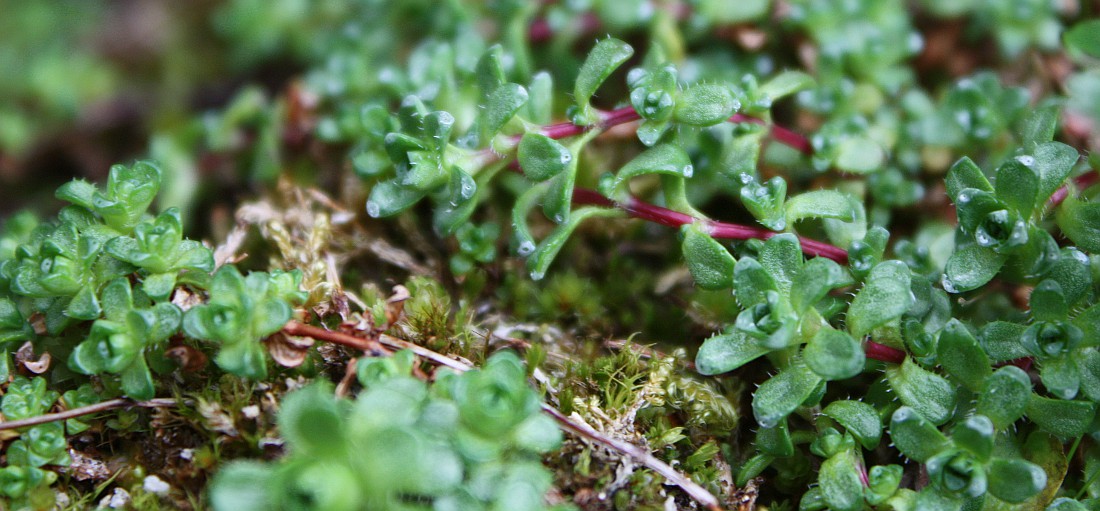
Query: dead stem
{"x": 88, "y": 410}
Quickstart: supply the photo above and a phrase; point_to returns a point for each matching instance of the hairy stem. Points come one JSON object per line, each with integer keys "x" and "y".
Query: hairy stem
{"x": 640, "y": 209}
{"x": 612, "y": 118}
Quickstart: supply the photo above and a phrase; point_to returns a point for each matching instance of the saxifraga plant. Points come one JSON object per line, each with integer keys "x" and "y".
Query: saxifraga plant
{"x": 994, "y": 404}
{"x": 958, "y": 397}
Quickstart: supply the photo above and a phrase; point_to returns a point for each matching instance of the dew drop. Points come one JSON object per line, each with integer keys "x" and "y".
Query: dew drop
{"x": 526, "y": 248}
{"x": 559, "y": 218}
{"x": 1026, "y": 160}
{"x": 688, "y": 170}
{"x": 373, "y": 209}
{"x": 767, "y": 422}
{"x": 745, "y": 178}
{"x": 963, "y": 198}
{"x": 537, "y": 275}
{"x": 1079, "y": 256}
{"x": 983, "y": 238}
{"x": 566, "y": 157}
{"x": 948, "y": 285}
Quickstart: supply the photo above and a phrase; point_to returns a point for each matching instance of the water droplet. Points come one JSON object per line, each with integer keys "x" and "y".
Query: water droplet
{"x": 688, "y": 170}
{"x": 745, "y": 178}
{"x": 1026, "y": 160}
{"x": 963, "y": 197}
{"x": 948, "y": 285}
{"x": 566, "y": 157}
{"x": 559, "y": 218}
{"x": 1079, "y": 256}
{"x": 537, "y": 275}
{"x": 767, "y": 422}
{"x": 526, "y": 248}
{"x": 982, "y": 238}
{"x": 373, "y": 209}
{"x": 467, "y": 191}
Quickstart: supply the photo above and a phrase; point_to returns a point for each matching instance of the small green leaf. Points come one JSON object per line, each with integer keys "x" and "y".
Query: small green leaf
{"x": 1080, "y": 222}
{"x": 1047, "y": 303}
{"x": 971, "y": 267}
{"x": 785, "y": 84}
{"x": 1014, "y": 480}
{"x": 78, "y": 192}
{"x": 1054, "y": 161}
{"x": 961, "y": 356}
{"x": 818, "y": 276}
{"x": 834, "y": 355}
{"x": 783, "y": 393}
{"x": 137, "y": 382}
{"x": 1062, "y": 418}
{"x": 389, "y": 198}
{"x": 882, "y": 483}
{"x": 84, "y": 305}
{"x": 775, "y": 441}
{"x": 1004, "y": 397}
{"x": 819, "y": 204}
{"x": 975, "y": 434}
{"x": 705, "y": 105}
{"x": 1001, "y": 340}
{"x": 840, "y": 483}
{"x": 666, "y": 159}
{"x": 726, "y": 352}
{"x": 751, "y": 282}
{"x": 159, "y": 285}
{"x": 503, "y": 104}
{"x": 860, "y": 155}
{"x": 859, "y": 418}
{"x": 542, "y": 157}
{"x": 765, "y": 201}
{"x": 1039, "y": 128}
{"x": 243, "y": 486}
{"x": 1017, "y": 185}
{"x": 1088, "y": 366}
{"x": 885, "y": 296}
{"x": 489, "y": 72}
{"x": 540, "y": 260}
{"x": 965, "y": 174}
{"x": 926, "y": 392}
{"x": 711, "y": 265}
{"x": 603, "y": 60}
{"x": 782, "y": 258}
{"x": 310, "y": 420}
{"x": 915, "y": 437}
{"x": 1085, "y": 37}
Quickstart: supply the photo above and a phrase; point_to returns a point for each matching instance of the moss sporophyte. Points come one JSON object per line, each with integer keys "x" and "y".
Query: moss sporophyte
{"x": 888, "y": 251}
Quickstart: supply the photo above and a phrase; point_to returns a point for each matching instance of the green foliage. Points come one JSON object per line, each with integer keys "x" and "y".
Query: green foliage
{"x": 470, "y": 441}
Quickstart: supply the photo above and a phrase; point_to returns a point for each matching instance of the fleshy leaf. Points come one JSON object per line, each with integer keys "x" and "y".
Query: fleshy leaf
{"x": 885, "y": 296}
{"x": 711, "y": 265}
{"x": 1014, "y": 480}
{"x": 961, "y": 356}
{"x": 1004, "y": 397}
{"x": 840, "y": 483}
{"x": 603, "y": 60}
{"x": 1065, "y": 419}
{"x": 926, "y": 392}
{"x": 726, "y": 352}
{"x": 705, "y": 104}
{"x": 965, "y": 174}
{"x": 834, "y": 355}
{"x": 970, "y": 268}
{"x": 860, "y": 419}
{"x": 819, "y": 204}
{"x": 783, "y": 393}
{"x": 916, "y": 437}
{"x": 542, "y": 157}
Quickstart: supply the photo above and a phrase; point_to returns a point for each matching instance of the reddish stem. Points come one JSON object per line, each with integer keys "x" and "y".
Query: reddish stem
{"x": 627, "y": 114}
{"x": 883, "y": 353}
{"x": 1080, "y": 182}
{"x": 640, "y": 209}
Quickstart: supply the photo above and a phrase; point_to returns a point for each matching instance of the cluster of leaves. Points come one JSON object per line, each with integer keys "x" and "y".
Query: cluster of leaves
{"x": 95, "y": 288}
{"x": 942, "y": 362}
{"x": 468, "y": 441}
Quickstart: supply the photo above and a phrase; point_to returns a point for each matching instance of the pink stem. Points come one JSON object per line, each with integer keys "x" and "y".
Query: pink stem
{"x": 640, "y": 209}
{"x": 627, "y": 114}
{"x": 1080, "y": 182}
{"x": 883, "y": 353}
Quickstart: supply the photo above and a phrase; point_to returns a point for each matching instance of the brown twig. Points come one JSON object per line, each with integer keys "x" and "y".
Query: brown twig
{"x": 700, "y": 494}
{"x": 87, "y": 410}
{"x": 696, "y": 492}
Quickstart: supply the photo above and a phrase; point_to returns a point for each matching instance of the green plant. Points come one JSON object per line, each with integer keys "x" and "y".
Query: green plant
{"x": 469, "y": 441}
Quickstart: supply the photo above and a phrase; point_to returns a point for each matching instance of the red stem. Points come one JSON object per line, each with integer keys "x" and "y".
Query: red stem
{"x": 640, "y": 209}
{"x": 627, "y": 114}
{"x": 1080, "y": 182}
{"x": 883, "y": 353}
